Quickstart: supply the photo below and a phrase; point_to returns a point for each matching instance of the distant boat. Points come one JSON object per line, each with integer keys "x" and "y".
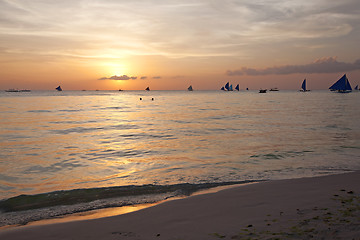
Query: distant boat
{"x": 12, "y": 90}
{"x": 59, "y": 88}
{"x": 190, "y": 88}
{"x": 247, "y": 89}
{"x": 147, "y": 89}
{"x": 342, "y": 85}
{"x": 262, "y": 90}
{"x": 274, "y": 89}
{"x": 303, "y": 86}
{"x": 17, "y": 90}
{"x": 356, "y": 88}
{"x": 229, "y": 87}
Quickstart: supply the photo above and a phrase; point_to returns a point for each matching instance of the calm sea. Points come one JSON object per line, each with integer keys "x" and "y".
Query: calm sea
{"x": 89, "y": 139}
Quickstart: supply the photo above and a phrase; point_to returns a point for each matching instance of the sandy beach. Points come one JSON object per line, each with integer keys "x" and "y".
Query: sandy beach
{"x": 321, "y": 208}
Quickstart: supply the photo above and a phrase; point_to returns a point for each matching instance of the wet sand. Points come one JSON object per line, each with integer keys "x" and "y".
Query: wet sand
{"x": 320, "y": 207}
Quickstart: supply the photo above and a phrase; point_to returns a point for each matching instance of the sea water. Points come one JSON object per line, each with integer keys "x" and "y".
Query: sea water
{"x": 52, "y": 141}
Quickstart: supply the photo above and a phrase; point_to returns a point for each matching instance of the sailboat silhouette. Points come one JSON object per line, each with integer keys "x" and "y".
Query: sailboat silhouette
{"x": 342, "y": 85}
{"x": 303, "y": 86}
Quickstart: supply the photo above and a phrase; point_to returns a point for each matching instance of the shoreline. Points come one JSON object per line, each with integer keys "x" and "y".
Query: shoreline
{"x": 272, "y": 207}
{"x": 82, "y": 204}
{"x": 133, "y": 203}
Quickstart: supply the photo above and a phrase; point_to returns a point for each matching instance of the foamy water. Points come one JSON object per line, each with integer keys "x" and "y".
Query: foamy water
{"x": 69, "y": 140}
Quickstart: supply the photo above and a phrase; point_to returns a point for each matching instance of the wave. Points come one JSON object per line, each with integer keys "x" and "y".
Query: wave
{"x": 23, "y": 209}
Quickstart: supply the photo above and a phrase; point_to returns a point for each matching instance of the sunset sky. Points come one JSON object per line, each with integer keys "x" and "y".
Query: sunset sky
{"x": 170, "y": 44}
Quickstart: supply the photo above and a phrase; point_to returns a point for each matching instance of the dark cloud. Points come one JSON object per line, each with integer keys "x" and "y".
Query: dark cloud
{"x": 156, "y": 77}
{"x": 123, "y": 77}
{"x": 323, "y": 65}
{"x": 143, "y": 77}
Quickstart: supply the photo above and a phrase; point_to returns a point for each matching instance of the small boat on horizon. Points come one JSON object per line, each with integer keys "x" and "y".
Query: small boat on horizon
{"x": 59, "y": 88}
{"x": 17, "y": 90}
{"x": 356, "y": 88}
{"x": 262, "y": 90}
{"x": 190, "y": 88}
{"x": 147, "y": 89}
{"x": 303, "y": 87}
{"x": 274, "y": 90}
{"x": 237, "y": 87}
{"x": 342, "y": 85}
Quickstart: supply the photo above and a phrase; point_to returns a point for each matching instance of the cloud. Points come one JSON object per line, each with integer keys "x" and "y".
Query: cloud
{"x": 180, "y": 28}
{"x": 323, "y": 65}
{"x": 123, "y": 77}
{"x": 126, "y": 77}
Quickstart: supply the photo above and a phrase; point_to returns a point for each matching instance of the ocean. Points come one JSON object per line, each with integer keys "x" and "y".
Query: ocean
{"x": 54, "y": 142}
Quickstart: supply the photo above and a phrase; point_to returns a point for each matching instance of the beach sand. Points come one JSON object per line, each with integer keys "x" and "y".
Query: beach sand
{"x": 320, "y": 208}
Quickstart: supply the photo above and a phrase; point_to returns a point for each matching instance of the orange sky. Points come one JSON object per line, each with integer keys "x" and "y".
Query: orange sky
{"x": 172, "y": 44}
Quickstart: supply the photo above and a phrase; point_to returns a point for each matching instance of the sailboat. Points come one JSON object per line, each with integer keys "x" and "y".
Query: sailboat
{"x": 59, "y": 88}
{"x": 237, "y": 87}
{"x": 356, "y": 88}
{"x": 147, "y": 89}
{"x": 190, "y": 88}
{"x": 229, "y": 87}
{"x": 342, "y": 85}
{"x": 303, "y": 86}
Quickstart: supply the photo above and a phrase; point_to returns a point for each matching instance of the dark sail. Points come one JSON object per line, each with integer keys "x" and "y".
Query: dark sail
{"x": 227, "y": 86}
{"x": 303, "y": 86}
{"x": 342, "y": 85}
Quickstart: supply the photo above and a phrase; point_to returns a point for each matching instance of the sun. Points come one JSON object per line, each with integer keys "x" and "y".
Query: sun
{"x": 115, "y": 69}
{"x": 116, "y": 72}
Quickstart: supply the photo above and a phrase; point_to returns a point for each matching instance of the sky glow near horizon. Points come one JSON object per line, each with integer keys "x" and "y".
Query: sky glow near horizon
{"x": 171, "y": 44}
